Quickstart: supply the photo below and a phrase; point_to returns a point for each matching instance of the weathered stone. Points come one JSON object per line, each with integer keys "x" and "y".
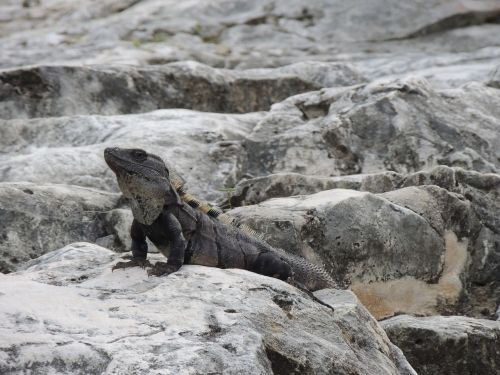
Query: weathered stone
{"x": 447, "y": 345}
{"x": 411, "y": 250}
{"x": 67, "y": 312}
{"x": 367, "y": 242}
{"x": 258, "y": 189}
{"x": 448, "y": 41}
{"x": 466, "y": 203}
{"x": 494, "y": 78}
{"x": 402, "y": 126}
{"x": 35, "y": 219}
{"x": 49, "y": 91}
{"x": 204, "y": 147}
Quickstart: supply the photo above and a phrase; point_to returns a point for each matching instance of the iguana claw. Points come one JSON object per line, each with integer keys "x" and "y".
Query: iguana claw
{"x": 143, "y": 263}
{"x": 162, "y": 269}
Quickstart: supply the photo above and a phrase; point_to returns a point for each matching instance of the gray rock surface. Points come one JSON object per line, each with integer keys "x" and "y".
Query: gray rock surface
{"x": 52, "y": 91}
{"x": 376, "y": 123}
{"x": 447, "y": 41}
{"x": 37, "y": 218}
{"x": 395, "y": 255}
{"x": 68, "y": 313}
{"x": 204, "y": 147}
{"x": 255, "y": 190}
{"x": 466, "y": 203}
{"x": 402, "y": 126}
{"x": 447, "y": 345}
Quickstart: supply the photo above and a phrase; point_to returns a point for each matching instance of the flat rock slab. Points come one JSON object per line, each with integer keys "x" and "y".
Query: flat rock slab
{"x": 52, "y": 91}
{"x": 446, "y": 40}
{"x": 68, "y": 313}
{"x": 447, "y": 345}
{"x": 204, "y": 147}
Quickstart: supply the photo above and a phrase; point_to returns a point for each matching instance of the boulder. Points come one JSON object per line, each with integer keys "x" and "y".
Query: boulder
{"x": 66, "y": 312}
{"x": 447, "y": 345}
{"x": 258, "y": 189}
{"x": 408, "y": 250}
{"x": 52, "y": 91}
{"x": 460, "y": 188}
{"x": 35, "y": 219}
{"x": 402, "y": 126}
{"x": 203, "y": 147}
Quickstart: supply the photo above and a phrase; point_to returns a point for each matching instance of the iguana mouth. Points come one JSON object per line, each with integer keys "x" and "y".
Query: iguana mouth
{"x": 115, "y": 162}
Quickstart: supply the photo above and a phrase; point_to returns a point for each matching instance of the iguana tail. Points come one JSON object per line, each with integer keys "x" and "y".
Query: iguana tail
{"x": 306, "y": 275}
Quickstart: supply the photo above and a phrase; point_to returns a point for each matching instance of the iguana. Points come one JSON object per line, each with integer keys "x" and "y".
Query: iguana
{"x": 188, "y": 231}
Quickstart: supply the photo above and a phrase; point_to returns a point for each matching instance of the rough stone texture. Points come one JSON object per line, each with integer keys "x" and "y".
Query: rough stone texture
{"x": 447, "y": 345}
{"x": 67, "y": 312}
{"x": 447, "y": 41}
{"x": 258, "y": 189}
{"x": 35, "y": 219}
{"x": 402, "y": 126}
{"x": 411, "y": 250}
{"x": 204, "y": 147}
{"x": 48, "y": 91}
{"x": 401, "y": 87}
{"x": 466, "y": 202}
{"x": 494, "y": 78}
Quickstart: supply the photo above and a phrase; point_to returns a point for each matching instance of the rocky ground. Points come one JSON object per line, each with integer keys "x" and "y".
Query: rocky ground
{"x": 362, "y": 135}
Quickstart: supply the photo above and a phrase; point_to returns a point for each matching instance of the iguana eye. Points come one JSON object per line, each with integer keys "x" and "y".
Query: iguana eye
{"x": 139, "y": 154}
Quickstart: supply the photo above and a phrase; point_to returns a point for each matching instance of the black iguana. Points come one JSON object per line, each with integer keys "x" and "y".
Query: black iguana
{"x": 188, "y": 231}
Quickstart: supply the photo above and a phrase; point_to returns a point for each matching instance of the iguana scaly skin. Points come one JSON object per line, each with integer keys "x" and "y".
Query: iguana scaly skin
{"x": 188, "y": 231}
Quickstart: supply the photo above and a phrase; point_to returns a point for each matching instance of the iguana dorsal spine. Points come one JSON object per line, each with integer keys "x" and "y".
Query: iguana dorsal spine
{"x": 215, "y": 212}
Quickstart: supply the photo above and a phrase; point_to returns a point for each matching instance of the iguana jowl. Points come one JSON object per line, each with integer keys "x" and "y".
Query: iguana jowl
{"x": 186, "y": 235}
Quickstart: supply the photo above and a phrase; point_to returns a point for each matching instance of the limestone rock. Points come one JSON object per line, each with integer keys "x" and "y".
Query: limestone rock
{"x": 494, "y": 78}
{"x": 466, "y": 203}
{"x": 446, "y": 41}
{"x": 35, "y": 219}
{"x": 402, "y": 126}
{"x": 52, "y": 91}
{"x": 203, "y": 147}
{"x": 255, "y": 190}
{"x": 67, "y": 312}
{"x": 447, "y": 345}
{"x": 408, "y": 250}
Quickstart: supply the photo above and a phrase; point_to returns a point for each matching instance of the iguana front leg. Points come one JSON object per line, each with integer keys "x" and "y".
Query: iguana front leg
{"x": 177, "y": 248}
{"x": 139, "y": 249}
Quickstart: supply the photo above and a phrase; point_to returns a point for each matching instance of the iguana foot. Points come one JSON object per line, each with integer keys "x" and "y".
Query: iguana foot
{"x": 162, "y": 269}
{"x": 143, "y": 263}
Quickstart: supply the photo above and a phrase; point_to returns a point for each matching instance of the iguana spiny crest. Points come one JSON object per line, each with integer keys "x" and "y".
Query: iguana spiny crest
{"x": 147, "y": 181}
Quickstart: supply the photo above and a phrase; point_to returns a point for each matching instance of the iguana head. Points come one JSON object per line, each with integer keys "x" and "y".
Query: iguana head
{"x": 144, "y": 179}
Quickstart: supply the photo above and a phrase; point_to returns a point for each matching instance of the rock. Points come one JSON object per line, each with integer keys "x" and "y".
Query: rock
{"x": 203, "y": 147}
{"x": 494, "y": 78}
{"x": 403, "y": 126}
{"x": 258, "y": 189}
{"x": 51, "y": 91}
{"x": 444, "y": 345}
{"x": 412, "y": 250}
{"x": 67, "y": 312}
{"x": 467, "y": 204}
{"x": 483, "y": 193}
{"x": 35, "y": 219}
{"x": 445, "y": 41}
